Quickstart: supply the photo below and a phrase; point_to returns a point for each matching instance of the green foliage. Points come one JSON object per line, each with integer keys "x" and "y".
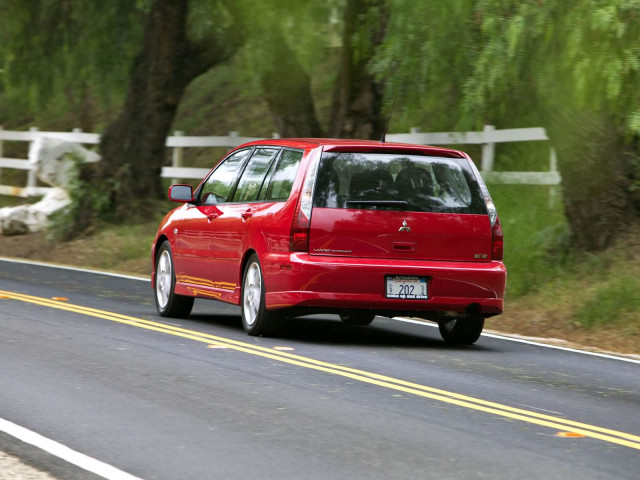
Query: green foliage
{"x": 455, "y": 64}
{"x": 610, "y": 301}
{"x": 123, "y": 243}
{"x": 543, "y": 266}
{"x": 219, "y": 101}
{"x": 299, "y": 27}
{"x": 207, "y": 17}
{"x": 428, "y": 52}
{"x": 535, "y": 233}
{"x": 634, "y": 185}
{"x": 74, "y": 50}
{"x": 370, "y": 16}
{"x": 581, "y": 54}
{"x": 467, "y": 63}
{"x": 85, "y": 197}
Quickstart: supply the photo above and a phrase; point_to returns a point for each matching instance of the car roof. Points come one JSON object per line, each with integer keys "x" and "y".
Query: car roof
{"x": 353, "y": 145}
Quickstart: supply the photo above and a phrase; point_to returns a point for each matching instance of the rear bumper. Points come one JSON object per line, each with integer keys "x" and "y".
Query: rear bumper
{"x": 303, "y": 280}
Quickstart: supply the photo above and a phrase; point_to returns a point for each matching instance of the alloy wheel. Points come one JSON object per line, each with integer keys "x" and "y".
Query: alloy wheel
{"x": 163, "y": 279}
{"x": 252, "y": 293}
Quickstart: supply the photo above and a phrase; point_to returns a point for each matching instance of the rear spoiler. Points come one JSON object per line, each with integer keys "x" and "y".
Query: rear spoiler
{"x": 401, "y": 149}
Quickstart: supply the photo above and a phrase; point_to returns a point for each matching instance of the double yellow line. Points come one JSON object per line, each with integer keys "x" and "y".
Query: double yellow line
{"x": 563, "y": 426}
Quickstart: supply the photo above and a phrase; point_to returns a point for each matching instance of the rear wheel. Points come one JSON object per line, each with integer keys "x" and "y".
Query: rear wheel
{"x": 462, "y": 331}
{"x": 357, "y": 318}
{"x": 167, "y": 302}
{"x": 256, "y": 319}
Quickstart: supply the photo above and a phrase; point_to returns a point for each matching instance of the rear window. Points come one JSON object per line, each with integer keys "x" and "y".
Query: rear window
{"x": 383, "y": 181}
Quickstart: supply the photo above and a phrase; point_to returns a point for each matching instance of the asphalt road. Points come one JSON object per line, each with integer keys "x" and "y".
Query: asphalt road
{"x": 86, "y": 362}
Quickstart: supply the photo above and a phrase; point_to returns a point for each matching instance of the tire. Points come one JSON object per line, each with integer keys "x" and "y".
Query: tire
{"x": 357, "y": 318}
{"x": 256, "y": 319}
{"x": 168, "y": 303}
{"x": 462, "y": 331}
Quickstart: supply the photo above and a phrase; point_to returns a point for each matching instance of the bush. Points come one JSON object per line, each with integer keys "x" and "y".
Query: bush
{"x": 535, "y": 234}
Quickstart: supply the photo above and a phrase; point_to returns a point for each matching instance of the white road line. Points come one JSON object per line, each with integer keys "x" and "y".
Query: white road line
{"x": 109, "y": 472}
{"x": 530, "y": 342}
{"x": 401, "y": 319}
{"x": 75, "y": 269}
{"x": 57, "y": 449}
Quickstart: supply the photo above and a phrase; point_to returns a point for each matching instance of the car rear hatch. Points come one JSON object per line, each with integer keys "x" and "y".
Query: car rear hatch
{"x": 395, "y": 205}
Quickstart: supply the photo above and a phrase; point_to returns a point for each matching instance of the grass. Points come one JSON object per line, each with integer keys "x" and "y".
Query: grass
{"x": 125, "y": 246}
{"x": 615, "y": 300}
{"x": 535, "y": 232}
{"x": 576, "y": 294}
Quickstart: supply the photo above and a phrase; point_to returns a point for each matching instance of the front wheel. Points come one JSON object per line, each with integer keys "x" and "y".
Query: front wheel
{"x": 256, "y": 319}
{"x": 462, "y": 331}
{"x": 168, "y": 303}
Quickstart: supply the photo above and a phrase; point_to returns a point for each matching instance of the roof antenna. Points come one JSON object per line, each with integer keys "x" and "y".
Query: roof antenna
{"x": 384, "y": 133}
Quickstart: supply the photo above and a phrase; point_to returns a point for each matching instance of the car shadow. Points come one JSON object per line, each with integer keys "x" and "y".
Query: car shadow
{"x": 328, "y": 329}
{"x": 383, "y": 332}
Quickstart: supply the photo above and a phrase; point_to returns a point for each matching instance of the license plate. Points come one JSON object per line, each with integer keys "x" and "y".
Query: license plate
{"x": 406, "y": 288}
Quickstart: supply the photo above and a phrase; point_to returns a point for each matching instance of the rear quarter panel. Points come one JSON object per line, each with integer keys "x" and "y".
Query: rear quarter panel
{"x": 270, "y": 228}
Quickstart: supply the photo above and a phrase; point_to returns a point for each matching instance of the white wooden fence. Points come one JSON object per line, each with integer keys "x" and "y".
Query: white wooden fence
{"x": 488, "y": 138}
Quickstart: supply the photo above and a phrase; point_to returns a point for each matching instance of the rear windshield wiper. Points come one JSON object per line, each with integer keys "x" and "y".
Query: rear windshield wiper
{"x": 380, "y": 203}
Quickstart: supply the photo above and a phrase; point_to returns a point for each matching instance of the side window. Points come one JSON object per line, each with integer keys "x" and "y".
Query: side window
{"x": 254, "y": 174}
{"x": 284, "y": 175}
{"x": 219, "y": 184}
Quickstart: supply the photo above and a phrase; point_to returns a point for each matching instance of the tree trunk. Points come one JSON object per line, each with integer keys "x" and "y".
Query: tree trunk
{"x": 598, "y": 171}
{"x": 357, "y": 102}
{"x": 287, "y": 90}
{"x": 133, "y": 147}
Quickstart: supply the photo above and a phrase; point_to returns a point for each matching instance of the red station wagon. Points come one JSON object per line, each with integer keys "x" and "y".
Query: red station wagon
{"x": 291, "y": 227}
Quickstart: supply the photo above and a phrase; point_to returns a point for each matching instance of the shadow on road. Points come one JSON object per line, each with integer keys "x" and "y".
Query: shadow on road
{"x": 328, "y": 329}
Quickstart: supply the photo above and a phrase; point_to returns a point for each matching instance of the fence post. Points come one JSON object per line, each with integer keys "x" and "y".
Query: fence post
{"x": 553, "y": 167}
{"x": 176, "y": 154}
{"x": 488, "y": 149}
{"x": 31, "y": 174}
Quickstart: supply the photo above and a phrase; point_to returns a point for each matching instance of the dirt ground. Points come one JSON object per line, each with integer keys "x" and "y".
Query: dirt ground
{"x": 522, "y": 317}
{"x": 11, "y": 468}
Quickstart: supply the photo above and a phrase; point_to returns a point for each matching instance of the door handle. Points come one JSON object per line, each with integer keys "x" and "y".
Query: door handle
{"x": 403, "y": 247}
{"x": 247, "y": 214}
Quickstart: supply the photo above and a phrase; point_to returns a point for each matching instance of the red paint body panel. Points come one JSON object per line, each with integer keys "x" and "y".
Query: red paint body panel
{"x": 359, "y": 283}
{"x": 350, "y": 250}
{"x": 376, "y": 234}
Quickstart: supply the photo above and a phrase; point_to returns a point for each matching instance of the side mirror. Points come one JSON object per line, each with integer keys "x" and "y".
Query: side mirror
{"x": 181, "y": 193}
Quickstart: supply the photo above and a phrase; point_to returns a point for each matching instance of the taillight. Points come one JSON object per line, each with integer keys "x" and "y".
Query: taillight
{"x": 497, "y": 241}
{"x": 299, "y": 237}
